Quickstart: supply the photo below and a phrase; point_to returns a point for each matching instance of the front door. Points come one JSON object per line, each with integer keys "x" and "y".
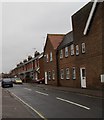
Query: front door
{"x": 83, "y": 77}
{"x": 45, "y": 77}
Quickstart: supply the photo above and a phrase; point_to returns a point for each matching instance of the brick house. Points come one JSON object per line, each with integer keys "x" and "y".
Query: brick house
{"x": 50, "y": 62}
{"x": 38, "y": 67}
{"x": 31, "y": 69}
{"x": 81, "y": 53}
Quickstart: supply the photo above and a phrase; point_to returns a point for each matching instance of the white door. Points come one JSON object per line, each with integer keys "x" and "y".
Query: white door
{"x": 45, "y": 77}
{"x": 83, "y": 77}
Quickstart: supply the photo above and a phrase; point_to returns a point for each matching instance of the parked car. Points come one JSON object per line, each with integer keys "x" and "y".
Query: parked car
{"x": 40, "y": 81}
{"x": 17, "y": 81}
{"x": 13, "y": 80}
{"x": 6, "y": 82}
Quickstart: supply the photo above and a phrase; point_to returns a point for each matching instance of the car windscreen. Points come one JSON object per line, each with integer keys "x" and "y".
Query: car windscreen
{"x": 17, "y": 79}
{"x": 7, "y": 80}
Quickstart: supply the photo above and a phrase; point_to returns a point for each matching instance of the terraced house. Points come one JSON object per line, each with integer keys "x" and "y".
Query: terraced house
{"x": 81, "y": 53}
{"x": 75, "y": 59}
{"x": 78, "y": 59}
{"x": 50, "y": 61}
{"x": 30, "y": 69}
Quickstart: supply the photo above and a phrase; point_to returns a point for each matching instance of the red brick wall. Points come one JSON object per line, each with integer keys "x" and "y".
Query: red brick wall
{"x": 41, "y": 65}
{"x": 92, "y": 59}
{"x": 49, "y": 66}
{"x": 66, "y": 62}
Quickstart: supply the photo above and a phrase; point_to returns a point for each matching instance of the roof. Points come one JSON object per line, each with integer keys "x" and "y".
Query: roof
{"x": 68, "y": 39}
{"x": 55, "y": 39}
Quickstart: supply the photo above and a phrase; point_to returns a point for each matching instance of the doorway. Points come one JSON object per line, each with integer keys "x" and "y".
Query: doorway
{"x": 83, "y": 77}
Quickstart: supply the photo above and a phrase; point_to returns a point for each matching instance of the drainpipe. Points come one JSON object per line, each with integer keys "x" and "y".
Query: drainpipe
{"x": 57, "y": 68}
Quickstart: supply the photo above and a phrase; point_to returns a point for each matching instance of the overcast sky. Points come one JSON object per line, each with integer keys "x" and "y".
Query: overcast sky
{"x": 25, "y": 26}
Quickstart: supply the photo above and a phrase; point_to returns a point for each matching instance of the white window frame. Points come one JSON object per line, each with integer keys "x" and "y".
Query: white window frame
{"x": 35, "y": 64}
{"x": 61, "y": 53}
{"x": 53, "y": 74}
{"x": 77, "y": 50}
{"x": 67, "y": 74}
{"x": 66, "y": 51}
{"x": 38, "y": 62}
{"x": 51, "y": 56}
{"x": 74, "y": 73}
{"x": 83, "y": 48}
{"x": 62, "y": 74}
{"x": 49, "y": 75}
{"x": 47, "y": 58}
{"x": 72, "y": 49}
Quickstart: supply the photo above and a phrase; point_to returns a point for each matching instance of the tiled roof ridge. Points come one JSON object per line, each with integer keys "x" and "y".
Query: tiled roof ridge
{"x": 56, "y": 34}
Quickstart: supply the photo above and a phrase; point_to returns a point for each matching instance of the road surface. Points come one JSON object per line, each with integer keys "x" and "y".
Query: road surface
{"x": 51, "y": 103}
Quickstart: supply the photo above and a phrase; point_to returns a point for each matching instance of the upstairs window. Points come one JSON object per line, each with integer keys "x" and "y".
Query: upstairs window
{"x": 72, "y": 49}
{"x": 62, "y": 74}
{"x": 73, "y": 73}
{"x": 77, "y": 50}
{"x": 66, "y": 51}
{"x": 67, "y": 74}
{"x": 83, "y": 48}
{"x": 53, "y": 75}
{"x": 35, "y": 63}
{"x": 61, "y": 54}
{"x": 47, "y": 58}
{"x": 50, "y": 56}
{"x": 38, "y": 62}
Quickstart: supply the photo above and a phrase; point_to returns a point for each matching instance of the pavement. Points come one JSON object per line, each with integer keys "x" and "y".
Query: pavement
{"x": 12, "y": 108}
{"x": 89, "y": 92}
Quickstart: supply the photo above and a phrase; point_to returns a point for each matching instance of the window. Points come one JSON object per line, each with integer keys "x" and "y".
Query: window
{"x": 72, "y": 49}
{"x": 74, "y": 73}
{"x": 38, "y": 62}
{"x": 47, "y": 58}
{"x": 61, "y": 53}
{"x": 77, "y": 50}
{"x": 67, "y": 73}
{"x": 62, "y": 74}
{"x": 66, "y": 51}
{"x": 50, "y": 56}
{"x": 35, "y": 63}
{"x": 83, "y": 47}
{"x": 49, "y": 75}
{"x": 53, "y": 75}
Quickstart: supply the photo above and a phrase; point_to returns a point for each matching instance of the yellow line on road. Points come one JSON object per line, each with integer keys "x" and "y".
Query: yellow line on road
{"x": 40, "y": 115}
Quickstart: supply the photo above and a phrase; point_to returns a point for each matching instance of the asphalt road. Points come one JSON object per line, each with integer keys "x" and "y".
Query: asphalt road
{"x": 48, "y": 103}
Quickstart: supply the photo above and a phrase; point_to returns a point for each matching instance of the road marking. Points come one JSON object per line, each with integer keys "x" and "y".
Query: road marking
{"x": 41, "y": 93}
{"x": 73, "y": 103}
{"x": 27, "y": 89}
{"x": 40, "y": 115}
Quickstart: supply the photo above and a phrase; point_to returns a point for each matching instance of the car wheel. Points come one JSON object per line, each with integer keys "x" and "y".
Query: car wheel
{"x": 2, "y": 86}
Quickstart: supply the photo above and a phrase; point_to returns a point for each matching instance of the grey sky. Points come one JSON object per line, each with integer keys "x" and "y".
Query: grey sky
{"x": 25, "y": 26}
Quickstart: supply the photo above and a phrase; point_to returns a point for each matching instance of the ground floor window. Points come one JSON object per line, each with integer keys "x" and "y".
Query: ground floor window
{"x": 73, "y": 73}
{"x": 62, "y": 74}
{"x": 53, "y": 75}
{"x": 49, "y": 75}
{"x": 67, "y": 74}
